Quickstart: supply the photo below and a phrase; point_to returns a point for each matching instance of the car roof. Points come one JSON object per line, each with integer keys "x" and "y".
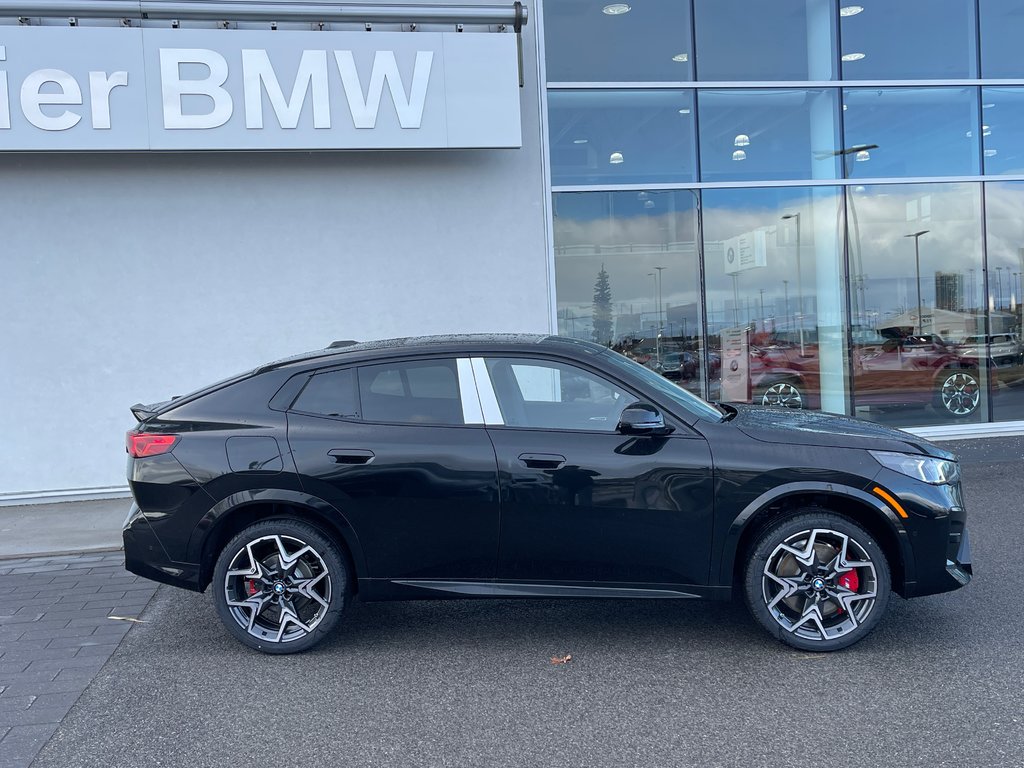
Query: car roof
{"x": 454, "y": 343}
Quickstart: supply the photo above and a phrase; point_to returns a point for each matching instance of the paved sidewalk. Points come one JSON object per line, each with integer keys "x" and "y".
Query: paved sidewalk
{"x": 55, "y": 635}
{"x": 68, "y": 527}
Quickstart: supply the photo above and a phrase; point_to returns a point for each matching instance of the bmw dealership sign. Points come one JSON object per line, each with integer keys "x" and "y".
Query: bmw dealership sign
{"x": 99, "y": 88}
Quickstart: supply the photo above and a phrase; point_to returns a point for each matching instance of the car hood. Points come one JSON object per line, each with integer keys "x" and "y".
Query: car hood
{"x": 795, "y": 427}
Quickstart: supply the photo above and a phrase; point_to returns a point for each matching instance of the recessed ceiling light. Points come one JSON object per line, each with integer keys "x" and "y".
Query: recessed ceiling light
{"x": 580, "y": 141}
{"x": 845, "y": 107}
{"x": 986, "y": 131}
{"x": 681, "y": 57}
{"x": 615, "y": 158}
{"x": 863, "y": 156}
{"x": 684, "y": 111}
{"x": 987, "y": 106}
{"x": 739, "y": 154}
{"x": 850, "y": 10}
{"x": 648, "y": 203}
{"x": 853, "y": 56}
{"x": 616, "y": 9}
{"x": 741, "y": 140}
{"x": 991, "y": 152}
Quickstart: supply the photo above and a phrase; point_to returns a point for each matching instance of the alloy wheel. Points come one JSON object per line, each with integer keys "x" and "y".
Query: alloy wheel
{"x": 783, "y": 395}
{"x": 278, "y": 588}
{"x": 819, "y": 585}
{"x": 960, "y": 393}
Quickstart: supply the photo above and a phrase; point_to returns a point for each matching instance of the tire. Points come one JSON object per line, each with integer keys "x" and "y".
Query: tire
{"x": 958, "y": 392}
{"x": 802, "y": 586}
{"x": 277, "y": 609}
{"x": 786, "y": 393}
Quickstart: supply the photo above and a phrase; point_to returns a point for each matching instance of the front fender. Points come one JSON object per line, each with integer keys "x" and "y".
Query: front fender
{"x": 730, "y": 544}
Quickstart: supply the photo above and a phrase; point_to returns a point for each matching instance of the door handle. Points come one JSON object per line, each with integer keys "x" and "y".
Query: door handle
{"x": 350, "y": 456}
{"x": 542, "y": 460}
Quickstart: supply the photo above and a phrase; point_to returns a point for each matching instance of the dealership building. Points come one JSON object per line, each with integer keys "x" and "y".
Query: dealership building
{"x": 810, "y": 203}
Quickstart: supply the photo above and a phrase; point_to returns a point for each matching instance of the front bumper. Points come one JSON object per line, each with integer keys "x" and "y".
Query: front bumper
{"x": 145, "y": 556}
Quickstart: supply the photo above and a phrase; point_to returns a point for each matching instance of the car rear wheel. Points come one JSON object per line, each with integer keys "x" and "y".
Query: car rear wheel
{"x": 817, "y": 581}
{"x": 280, "y": 586}
{"x": 782, "y": 394}
{"x": 958, "y": 392}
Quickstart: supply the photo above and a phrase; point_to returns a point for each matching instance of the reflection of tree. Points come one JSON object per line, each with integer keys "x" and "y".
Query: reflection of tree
{"x": 602, "y": 322}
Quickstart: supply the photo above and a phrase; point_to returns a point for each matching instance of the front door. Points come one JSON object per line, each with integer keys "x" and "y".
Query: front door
{"x": 581, "y": 503}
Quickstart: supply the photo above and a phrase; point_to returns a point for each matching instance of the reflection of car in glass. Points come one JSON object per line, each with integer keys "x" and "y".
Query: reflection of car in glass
{"x": 527, "y": 466}
{"x": 892, "y": 369}
{"x": 1003, "y": 349}
{"x": 678, "y": 366}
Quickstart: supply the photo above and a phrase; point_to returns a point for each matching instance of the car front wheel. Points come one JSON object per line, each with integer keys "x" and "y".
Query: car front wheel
{"x": 958, "y": 392}
{"x": 280, "y": 586}
{"x": 817, "y": 581}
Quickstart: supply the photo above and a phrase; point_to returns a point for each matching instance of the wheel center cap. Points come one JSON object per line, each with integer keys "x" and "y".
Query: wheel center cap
{"x": 278, "y": 587}
{"x": 818, "y": 584}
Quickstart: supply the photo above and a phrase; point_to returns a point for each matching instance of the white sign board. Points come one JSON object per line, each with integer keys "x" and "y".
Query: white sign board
{"x": 64, "y": 88}
{"x": 745, "y": 251}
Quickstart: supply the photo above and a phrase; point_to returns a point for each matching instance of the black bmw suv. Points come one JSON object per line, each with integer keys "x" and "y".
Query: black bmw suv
{"x": 527, "y": 466}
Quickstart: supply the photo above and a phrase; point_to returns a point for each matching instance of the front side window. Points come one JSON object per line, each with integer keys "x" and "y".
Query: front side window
{"x": 540, "y": 394}
{"x": 423, "y": 392}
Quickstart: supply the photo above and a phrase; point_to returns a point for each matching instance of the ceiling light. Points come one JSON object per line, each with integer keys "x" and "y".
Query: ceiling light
{"x": 615, "y": 158}
{"x": 969, "y": 134}
{"x": 991, "y": 152}
{"x": 681, "y": 57}
{"x": 858, "y": 188}
{"x": 853, "y": 56}
{"x": 684, "y": 111}
{"x": 739, "y": 154}
{"x": 987, "y": 106}
{"x": 580, "y": 141}
{"x": 850, "y": 10}
{"x": 648, "y": 203}
{"x": 741, "y": 140}
{"x": 845, "y": 107}
{"x": 616, "y": 9}
{"x": 863, "y": 156}
{"x": 986, "y": 131}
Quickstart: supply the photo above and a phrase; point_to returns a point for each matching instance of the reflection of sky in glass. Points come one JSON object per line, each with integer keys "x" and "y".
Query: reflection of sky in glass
{"x": 1002, "y": 118}
{"x": 918, "y": 131}
{"x": 882, "y": 263}
{"x": 910, "y": 40}
{"x": 584, "y": 44}
{"x": 1001, "y": 23}
{"x": 783, "y": 134}
{"x": 621, "y": 136}
{"x": 629, "y": 234}
{"x": 780, "y": 40}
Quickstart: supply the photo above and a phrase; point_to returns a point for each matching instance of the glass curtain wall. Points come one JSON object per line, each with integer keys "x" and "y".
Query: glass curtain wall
{"x": 782, "y": 203}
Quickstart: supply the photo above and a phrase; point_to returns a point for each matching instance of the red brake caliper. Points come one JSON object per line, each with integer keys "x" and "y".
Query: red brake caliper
{"x": 250, "y": 587}
{"x": 851, "y": 581}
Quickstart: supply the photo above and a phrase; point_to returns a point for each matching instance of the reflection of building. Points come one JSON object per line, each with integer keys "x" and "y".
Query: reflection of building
{"x": 949, "y": 291}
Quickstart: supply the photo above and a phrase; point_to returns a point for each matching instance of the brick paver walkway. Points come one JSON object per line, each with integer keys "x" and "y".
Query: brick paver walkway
{"x": 55, "y": 634}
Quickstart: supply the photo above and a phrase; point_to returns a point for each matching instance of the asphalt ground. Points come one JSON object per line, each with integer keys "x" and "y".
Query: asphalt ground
{"x": 658, "y": 683}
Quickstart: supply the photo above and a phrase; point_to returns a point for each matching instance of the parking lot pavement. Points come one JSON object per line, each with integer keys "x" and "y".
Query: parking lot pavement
{"x": 55, "y": 635}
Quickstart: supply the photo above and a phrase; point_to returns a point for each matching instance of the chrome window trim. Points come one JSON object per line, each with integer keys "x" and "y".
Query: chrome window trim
{"x": 468, "y": 393}
{"x": 485, "y": 389}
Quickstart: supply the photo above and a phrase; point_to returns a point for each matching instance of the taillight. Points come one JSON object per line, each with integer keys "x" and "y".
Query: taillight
{"x": 142, "y": 445}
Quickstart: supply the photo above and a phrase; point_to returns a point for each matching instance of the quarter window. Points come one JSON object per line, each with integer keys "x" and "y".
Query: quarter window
{"x": 330, "y": 394}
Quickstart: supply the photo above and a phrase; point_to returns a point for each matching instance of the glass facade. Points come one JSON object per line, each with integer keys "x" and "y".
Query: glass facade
{"x": 788, "y": 203}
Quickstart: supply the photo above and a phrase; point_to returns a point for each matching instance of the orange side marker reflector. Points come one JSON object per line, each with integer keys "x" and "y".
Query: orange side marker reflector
{"x": 891, "y": 501}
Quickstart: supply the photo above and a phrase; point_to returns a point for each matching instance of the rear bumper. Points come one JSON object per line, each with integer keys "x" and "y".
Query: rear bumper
{"x": 145, "y": 556}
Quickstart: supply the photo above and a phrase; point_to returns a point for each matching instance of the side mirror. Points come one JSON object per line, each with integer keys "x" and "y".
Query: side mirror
{"x": 642, "y": 419}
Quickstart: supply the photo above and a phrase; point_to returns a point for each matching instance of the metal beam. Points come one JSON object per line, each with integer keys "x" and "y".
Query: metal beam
{"x": 239, "y": 10}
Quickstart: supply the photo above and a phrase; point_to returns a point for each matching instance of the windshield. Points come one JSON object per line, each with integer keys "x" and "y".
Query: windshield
{"x": 677, "y": 394}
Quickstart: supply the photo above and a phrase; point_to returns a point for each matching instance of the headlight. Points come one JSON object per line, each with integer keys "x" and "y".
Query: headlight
{"x": 924, "y": 468}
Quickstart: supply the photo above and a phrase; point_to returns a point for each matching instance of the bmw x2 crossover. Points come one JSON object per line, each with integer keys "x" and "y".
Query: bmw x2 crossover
{"x": 527, "y": 466}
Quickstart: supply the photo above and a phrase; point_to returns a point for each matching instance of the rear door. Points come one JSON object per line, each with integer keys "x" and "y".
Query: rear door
{"x": 400, "y": 448}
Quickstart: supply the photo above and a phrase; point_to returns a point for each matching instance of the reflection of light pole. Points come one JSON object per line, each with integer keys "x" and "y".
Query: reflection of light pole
{"x": 974, "y": 305}
{"x": 785, "y": 288}
{"x": 917, "y": 263}
{"x": 999, "y": 288}
{"x": 763, "y": 325}
{"x": 799, "y": 284}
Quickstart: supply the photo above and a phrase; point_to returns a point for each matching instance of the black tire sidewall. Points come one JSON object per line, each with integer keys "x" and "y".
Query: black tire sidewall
{"x": 337, "y": 565}
{"x": 778, "y": 532}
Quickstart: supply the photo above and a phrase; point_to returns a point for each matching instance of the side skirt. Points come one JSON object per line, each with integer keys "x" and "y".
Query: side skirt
{"x": 434, "y": 589}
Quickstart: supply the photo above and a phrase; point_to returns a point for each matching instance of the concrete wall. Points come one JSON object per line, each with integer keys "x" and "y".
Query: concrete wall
{"x": 134, "y": 277}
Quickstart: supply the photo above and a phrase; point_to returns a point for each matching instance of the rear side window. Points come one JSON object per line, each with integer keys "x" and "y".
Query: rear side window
{"x": 330, "y": 394}
{"x": 424, "y": 392}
